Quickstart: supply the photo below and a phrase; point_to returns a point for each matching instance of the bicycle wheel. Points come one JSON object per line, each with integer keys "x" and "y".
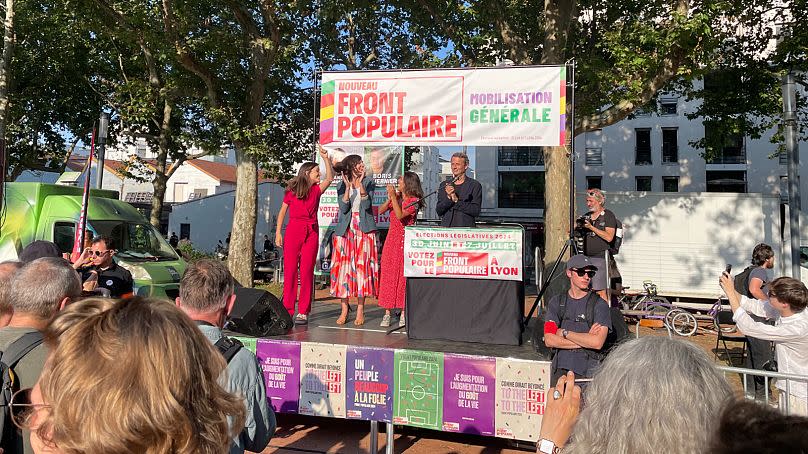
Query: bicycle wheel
{"x": 684, "y": 324}
{"x": 669, "y": 316}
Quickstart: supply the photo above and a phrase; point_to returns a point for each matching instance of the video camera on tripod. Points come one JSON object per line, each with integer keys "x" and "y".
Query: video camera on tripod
{"x": 580, "y": 231}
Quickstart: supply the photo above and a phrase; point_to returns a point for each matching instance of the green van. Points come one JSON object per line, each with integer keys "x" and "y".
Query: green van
{"x": 36, "y": 211}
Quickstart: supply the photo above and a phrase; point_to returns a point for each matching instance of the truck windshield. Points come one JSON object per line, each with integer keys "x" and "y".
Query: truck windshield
{"x": 137, "y": 242}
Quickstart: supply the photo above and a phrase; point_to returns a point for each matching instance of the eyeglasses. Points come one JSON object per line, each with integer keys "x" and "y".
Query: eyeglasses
{"x": 580, "y": 272}
{"x": 98, "y": 253}
{"x": 22, "y": 410}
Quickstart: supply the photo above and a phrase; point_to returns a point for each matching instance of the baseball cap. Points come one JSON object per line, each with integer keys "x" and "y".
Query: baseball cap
{"x": 580, "y": 261}
{"x": 39, "y": 249}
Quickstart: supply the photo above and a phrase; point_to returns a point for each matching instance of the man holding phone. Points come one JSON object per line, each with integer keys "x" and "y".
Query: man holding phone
{"x": 567, "y": 329}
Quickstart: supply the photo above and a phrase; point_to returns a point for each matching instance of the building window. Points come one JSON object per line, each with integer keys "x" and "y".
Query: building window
{"x": 724, "y": 147}
{"x": 670, "y": 145}
{"x": 783, "y": 157}
{"x": 670, "y": 184}
{"x": 521, "y": 156}
{"x": 594, "y": 156}
{"x": 667, "y": 106}
{"x": 521, "y": 190}
{"x": 594, "y": 182}
{"x": 643, "y": 183}
{"x": 726, "y": 181}
{"x": 643, "y": 150}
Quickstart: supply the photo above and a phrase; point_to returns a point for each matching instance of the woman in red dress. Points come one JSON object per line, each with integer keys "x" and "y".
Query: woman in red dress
{"x": 404, "y": 204}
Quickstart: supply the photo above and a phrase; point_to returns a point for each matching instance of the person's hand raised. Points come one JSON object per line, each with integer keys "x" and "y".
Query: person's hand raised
{"x": 561, "y": 410}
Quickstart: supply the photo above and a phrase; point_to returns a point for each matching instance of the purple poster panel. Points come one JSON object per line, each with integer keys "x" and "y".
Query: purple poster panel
{"x": 280, "y": 361}
{"x": 370, "y": 384}
{"x": 468, "y": 394}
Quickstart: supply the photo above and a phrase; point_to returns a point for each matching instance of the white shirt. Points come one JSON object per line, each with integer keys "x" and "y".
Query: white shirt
{"x": 357, "y": 199}
{"x": 790, "y": 337}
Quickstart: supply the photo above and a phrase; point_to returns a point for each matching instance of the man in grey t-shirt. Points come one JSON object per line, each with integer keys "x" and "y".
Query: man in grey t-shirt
{"x": 576, "y": 339}
{"x": 35, "y": 301}
{"x": 760, "y": 351}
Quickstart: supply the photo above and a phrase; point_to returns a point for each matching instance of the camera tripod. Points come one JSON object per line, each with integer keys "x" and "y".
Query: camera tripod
{"x": 569, "y": 244}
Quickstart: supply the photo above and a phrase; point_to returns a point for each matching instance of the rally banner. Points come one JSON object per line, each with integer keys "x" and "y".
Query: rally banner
{"x": 475, "y": 106}
{"x": 280, "y": 362}
{"x": 521, "y": 392}
{"x": 474, "y": 253}
{"x": 322, "y": 380}
{"x": 468, "y": 394}
{"x": 370, "y": 384}
{"x": 384, "y": 163}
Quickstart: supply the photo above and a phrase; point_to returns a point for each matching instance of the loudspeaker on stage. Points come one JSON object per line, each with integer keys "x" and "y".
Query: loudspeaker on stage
{"x": 258, "y": 313}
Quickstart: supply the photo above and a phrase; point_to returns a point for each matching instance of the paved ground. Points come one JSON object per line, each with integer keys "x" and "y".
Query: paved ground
{"x": 304, "y": 434}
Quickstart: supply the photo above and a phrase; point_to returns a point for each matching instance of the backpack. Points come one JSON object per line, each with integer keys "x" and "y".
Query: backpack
{"x": 741, "y": 281}
{"x": 617, "y": 241}
{"x": 228, "y": 347}
{"x": 11, "y": 437}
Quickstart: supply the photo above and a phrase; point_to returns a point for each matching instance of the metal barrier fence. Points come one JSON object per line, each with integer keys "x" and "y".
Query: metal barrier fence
{"x": 789, "y": 403}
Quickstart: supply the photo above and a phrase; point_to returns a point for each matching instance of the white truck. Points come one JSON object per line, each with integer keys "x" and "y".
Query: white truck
{"x": 683, "y": 241}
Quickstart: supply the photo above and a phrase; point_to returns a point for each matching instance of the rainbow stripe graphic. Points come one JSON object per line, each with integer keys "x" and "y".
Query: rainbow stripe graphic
{"x": 439, "y": 260}
{"x": 562, "y": 101}
{"x": 327, "y": 112}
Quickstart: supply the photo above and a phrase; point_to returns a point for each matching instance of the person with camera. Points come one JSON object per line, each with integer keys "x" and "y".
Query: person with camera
{"x": 597, "y": 227}
{"x": 577, "y": 340}
{"x": 788, "y": 298}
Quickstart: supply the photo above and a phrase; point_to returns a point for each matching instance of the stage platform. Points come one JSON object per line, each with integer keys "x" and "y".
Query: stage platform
{"x": 322, "y": 328}
{"x": 362, "y": 372}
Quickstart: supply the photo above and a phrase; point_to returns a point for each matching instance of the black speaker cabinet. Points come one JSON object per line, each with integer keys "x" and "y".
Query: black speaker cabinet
{"x": 258, "y": 313}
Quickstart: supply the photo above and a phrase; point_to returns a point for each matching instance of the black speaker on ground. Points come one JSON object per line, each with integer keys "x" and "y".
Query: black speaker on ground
{"x": 258, "y": 313}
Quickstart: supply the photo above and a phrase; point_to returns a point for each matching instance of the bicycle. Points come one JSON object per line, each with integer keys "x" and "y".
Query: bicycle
{"x": 658, "y": 307}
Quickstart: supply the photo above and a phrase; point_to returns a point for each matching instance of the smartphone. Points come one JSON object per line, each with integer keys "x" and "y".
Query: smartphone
{"x": 728, "y": 269}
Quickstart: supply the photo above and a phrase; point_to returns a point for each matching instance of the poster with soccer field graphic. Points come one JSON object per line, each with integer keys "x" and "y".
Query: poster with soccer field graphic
{"x": 418, "y": 388}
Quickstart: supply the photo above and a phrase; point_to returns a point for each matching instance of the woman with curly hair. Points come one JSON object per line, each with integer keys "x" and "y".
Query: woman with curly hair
{"x": 138, "y": 377}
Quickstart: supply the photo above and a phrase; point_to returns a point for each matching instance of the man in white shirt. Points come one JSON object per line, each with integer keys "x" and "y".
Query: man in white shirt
{"x": 788, "y": 298}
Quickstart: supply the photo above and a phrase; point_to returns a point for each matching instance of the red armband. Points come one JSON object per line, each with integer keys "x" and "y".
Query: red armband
{"x": 550, "y": 327}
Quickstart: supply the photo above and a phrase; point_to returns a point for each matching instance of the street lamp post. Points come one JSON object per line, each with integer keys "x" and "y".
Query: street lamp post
{"x": 103, "y": 124}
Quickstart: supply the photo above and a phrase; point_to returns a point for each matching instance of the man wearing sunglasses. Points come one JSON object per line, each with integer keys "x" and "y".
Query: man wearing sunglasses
{"x": 103, "y": 272}
{"x": 577, "y": 322}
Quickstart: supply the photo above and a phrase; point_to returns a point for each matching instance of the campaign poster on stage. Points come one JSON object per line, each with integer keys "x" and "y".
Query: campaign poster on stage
{"x": 468, "y": 394}
{"x": 322, "y": 379}
{"x": 384, "y": 163}
{"x": 419, "y": 388}
{"x": 473, "y": 253}
{"x": 280, "y": 362}
{"x": 521, "y": 388}
{"x": 370, "y": 384}
{"x": 473, "y": 106}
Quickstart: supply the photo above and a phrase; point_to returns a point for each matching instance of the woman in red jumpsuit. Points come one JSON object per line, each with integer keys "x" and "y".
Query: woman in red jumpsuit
{"x": 302, "y": 200}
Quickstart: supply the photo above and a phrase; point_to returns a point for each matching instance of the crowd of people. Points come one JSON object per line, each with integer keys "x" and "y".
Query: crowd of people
{"x": 131, "y": 374}
{"x": 124, "y": 375}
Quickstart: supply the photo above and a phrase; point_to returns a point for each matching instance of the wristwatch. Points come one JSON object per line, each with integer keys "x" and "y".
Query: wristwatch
{"x": 564, "y": 333}
{"x": 548, "y": 447}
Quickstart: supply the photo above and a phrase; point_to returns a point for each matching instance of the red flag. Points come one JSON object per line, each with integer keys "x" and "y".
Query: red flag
{"x": 78, "y": 239}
